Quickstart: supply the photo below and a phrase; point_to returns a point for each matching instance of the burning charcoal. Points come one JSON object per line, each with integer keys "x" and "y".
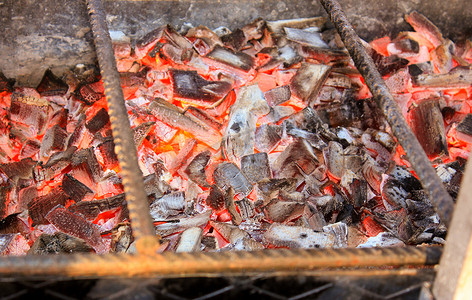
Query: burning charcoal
{"x": 451, "y": 175}
{"x": 155, "y": 187}
{"x": 442, "y": 56}
{"x": 386, "y": 140}
{"x": 339, "y": 230}
{"x": 54, "y": 166}
{"x": 278, "y": 95}
{"x": 98, "y": 121}
{"x": 203, "y": 116}
{"x": 308, "y": 80}
{"x": 458, "y": 77}
{"x": 196, "y": 169}
{"x": 188, "y": 85}
{"x": 384, "y": 239}
{"x": 59, "y": 242}
{"x": 239, "y": 137}
{"x": 266, "y": 138}
{"x": 168, "y": 205}
{"x": 216, "y": 198}
{"x": 190, "y": 240}
{"x": 107, "y": 150}
{"x": 174, "y": 118}
{"x": 76, "y": 226}
{"x": 398, "y": 187}
{"x": 255, "y": 29}
{"x": 277, "y": 113}
{"x": 13, "y": 244}
{"x": 182, "y": 156}
{"x": 147, "y": 42}
{"x": 344, "y": 114}
{"x": 6, "y": 85}
{"x": 228, "y": 175}
{"x": 79, "y": 132}
{"x": 358, "y": 189}
{"x": 283, "y": 211}
{"x": 464, "y": 129}
{"x": 307, "y": 37}
{"x": 51, "y": 85}
{"x": 21, "y": 169}
{"x": 298, "y": 156}
{"x": 91, "y": 209}
{"x": 59, "y": 118}
{"x": 141, "y": 131}
{"x": 297, "y": 237}
{"x": 14, "y": 224}
{"x": 420, "y": 68}
{"x": 75, "y": 189}
{"x": 312, "y": 218}
{"x": 4, "y": 199}
{"x": 236, "y": 236}
{"x": 54, "y": 140}
{"x": 338, "y": 80}
{"x": 246, "y": 208}
{"x": 428, "y": 125}
{"x": 255, "y": 167}
{"x": 425, "y": 27}
{"x": 87, "y": 94}
{"x": 40, "y": 206}
{"x": 313, "y": 139}
{"x": 209, "y": 243}
{"x": 231, "y": 207}
{"x": 235, "y": 40}
{"x": 279, "y": 25}
{"x": 85, "y": 158}
{"x": 237, "y": 60}
{"x": 29, "y": 110}
{"x": 387, "y": 65}
{"x": 334, "y": 157}
{"x": 269, "y": 188}
{"x": 121, "y": 238}
{"x": 29, "y": 149}
{"x": 178, "y": 225}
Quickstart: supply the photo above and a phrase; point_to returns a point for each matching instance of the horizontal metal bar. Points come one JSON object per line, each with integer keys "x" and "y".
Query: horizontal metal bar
{"x": 216, "y": 263}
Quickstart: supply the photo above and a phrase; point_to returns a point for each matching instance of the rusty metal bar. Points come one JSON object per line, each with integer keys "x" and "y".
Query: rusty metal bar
{"x": 125, "y": 148}
{"x": 216, "y": 263}
{"x": 430, "y": 181}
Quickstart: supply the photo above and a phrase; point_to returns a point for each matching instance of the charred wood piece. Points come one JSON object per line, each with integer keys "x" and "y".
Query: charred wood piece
{"x": 75, "y": 189}
{"x": 228, "y": 175}
{"x": 51, "y": 85}
{"x": 59, "y": 242}
{"x": 255, "y": 167}
{"x": 91, "y": 209}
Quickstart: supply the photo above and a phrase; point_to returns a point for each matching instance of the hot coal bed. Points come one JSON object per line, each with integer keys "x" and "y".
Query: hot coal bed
{"x": 261, "y": 137}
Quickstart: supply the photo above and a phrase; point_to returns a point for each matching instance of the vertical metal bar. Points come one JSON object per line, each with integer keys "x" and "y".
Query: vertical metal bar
{"x": 430, "y": 181}
{"x": 125, "y": 148}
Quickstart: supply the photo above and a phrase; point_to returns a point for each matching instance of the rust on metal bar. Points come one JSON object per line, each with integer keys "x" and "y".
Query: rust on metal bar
{"x": 125, "y": 148}
{"x": 430, "y": 181}
{"x": 216, "y": 263}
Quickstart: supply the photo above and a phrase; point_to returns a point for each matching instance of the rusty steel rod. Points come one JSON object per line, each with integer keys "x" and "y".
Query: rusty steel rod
{"x": 125, "y": 147}
{"x": 216, "y": 263}
{"x": 430, "y": 181}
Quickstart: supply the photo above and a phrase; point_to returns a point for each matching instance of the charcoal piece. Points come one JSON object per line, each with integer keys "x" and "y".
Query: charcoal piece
{"x": 427, "y": 123}
{"x": 246, "y": 208}
{"x": 340, "y": 231}
{"x": 204, "y": 117}
{"x": 255, "y": 167}
{"x": 59, "y": 242}
{"x": 141, "y": 131}
{"x": 29, "y": 110}
{"x": 239, "y": 60}
{"x": 4, "y": 199}
{"x": 51, "y": 85}
{"x": 358, "y": 189}
{"x": 235, "y": 40}
{"x": 40, "y": 206}
{"x": 13, "y": 244}
{"x": 344, "y": 114}
{"x": 334, "y": 158}
{"x": 168, "y": 205}
{"x": 13, "y": 224}
{"x": 314, "y": 139}
{"x": 283, "y": 211}
{"x": 25, "y": 196}
{"x": 425, "y": 27}
{"x": 458, "y": 77}
{"x": 307, "y": 119}
{"x": 150, "y": 37}
{"x": 383, "y": 138}
{"x": 266, "y": 138}
{"x": 79, "y": 131}
{"x": 121, "y": 238}
{"x": 74, "y": 225}
{"x": 87, "y": 94}
{"x": 297, "y": 157}
{"x": 387, "y": 64}
{"x": 91, "y": 209}
{"x": 465, "y": 126}
{"x": 75, "y": 189}
{"x": 297, "y": 237}
{"x": 228, "y": 175}
{"x": 54, "y": 140}
{"x": 19, "y": 169}
{"x": 181, "y": 158}
{"x": 420, "y": 68}
{"x": 196, "y": 169}
{"x": 278, "y": 95}
{"x": 155, "y": 187}
{"x": 231, "y": 233}
{"x": 307, "y": 38}
{"x": 399, "y": 186}
{"x": 269, "y": 188}
{"x": 178, "y": 225}
{"x": 190, "y": 240}
{"x": 190, "y": 85}
{"x": 209, "y": 243}
{"x": 85, "y": 158}
{"x": 231, "y": 207}
{"x": 308, "y": 80}
{"x": 6, "y": 85}
{"x": 59, "y": 118}
{"x": 57, "y": 163}
{"x": 98, "y": 121}
{"x": 216, "y": 198}
{"x": 107, "y": 150}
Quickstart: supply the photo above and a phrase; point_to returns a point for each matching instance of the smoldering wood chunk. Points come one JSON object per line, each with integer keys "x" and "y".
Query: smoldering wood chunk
{"x": 407, "y": 45}
{"x": 307, "y": 119}
{"x": 246, "y": 208}
{"x": 228, "y": 175}
{"x": 155, "y": 187}
{"x": 54, "y": 140}
{"x": 231, "y": 207}
{"x": 4, "y": 199}
{"x": 85, "y": 158}
{"x": 181, "y": 158}
{"x": 141, "y": 131}
{"x": 420, "y": 68}
{"x": 13, "y": 244}
{"x": 121, "y": 238}
{"x": 13, "y": 224}
{"x": 298, "y": 156}
{"x": 87, "y": 94}
{"x": 59, "y": 118}
{"x": 255, "y": 167}
{"x": 458, "y": 77}
{"x": 91, "y": 209}
{"x": 427, "y": 123}
{"x": 196, "y": 169}
{"x": 399, "y": 186}
{"x": 19, "y": 169}
{"x": 297, "y": 237}
{"x": 98, "y": 121}
{"x": 54, "y": 166}
{"x": 308, "y": 38}
{"x": 465, "y": 126}
{"x": 425, "y": 27}
{"x": 25, "y": 196}
{"x": 168, "y": 205}
{"x": 387, "y": 64}
{"x": 6, "y": 85}
{"x": 334, "y": 158}
{"x": 107, "y": 150}
{"x": 314, "y": 139}
{"x": 234, "y": 40}
{"x": 340, "y": 232}
{"x": 239, "y": 60}
{"x": 180, "y": 224}
{"x": 283, "y": 211}
{"x": 75, "y": 189}
{"x": 278, "y": 95}
{"x": 269, "y": 188}
{"x": 190, "y": 85}
{"x": 451, "y": 175}
{"x": 203, "y": 116}
{"x": 358, "y": 189}
{"x": 209, "y": 242}
{"x": 266, "y": 137}
{"x": 59, "y": 242}
{"x": 51, "y": 85}
{"x": 150, "y": 37}
{"x": 29, "y": 110}
{"x": 40, "y": 206}
{"x": 216, "y": 198}
{"x": 30, "y": 148}
{"x": 278, "y": 26}
{"x": 345, "y": 114}
{"x": 72, "y": 224}
{"x": 308, "y": 80}
{"x": 79, "y": 131}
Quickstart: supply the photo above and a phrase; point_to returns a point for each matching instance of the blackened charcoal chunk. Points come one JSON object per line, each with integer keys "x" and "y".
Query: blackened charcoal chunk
{"x": 85, "y": 158}
{"x": 58, "y": 242}
{"x": 87, "y": 94}
{"x": 238, "y": 60}
{"x": 465, "y": 126}
{"x": 297, "y": 157}
{"x": 141, "y": 131}
{"x": 75, "y": 189}
{"x": 91, "y": 209}
{"x": 278, "y": 95}
{"x": 154, "y": 187}
{"x": 6, "y": 85}
{"x": 255, "y": 167}
{"x": 107, "y": 150}
{"x": 29, "y": 110}
{"x": 306, "y": 83}
{"x": 228, "y": 175}
{"x": 387, "y": 65}
{"x": 51, "y": 85}
{"x": 98, "y": 121}
{"x": 216, "y": 198}
{"x": 42, "y": 205}
{"x": 399, "y": 186}
{"x": 54, "y": 140}
{"x": 267, "y": 138}
{"x": 196, "y": 169}
{"x": 168, "y": 205}
{"x": 269, "y": 188}
{"x": 235, "y": 40}
{"x": 20, "y": 169}
{"x": 358, "y": 192}
{"x": 13, "y": 224}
